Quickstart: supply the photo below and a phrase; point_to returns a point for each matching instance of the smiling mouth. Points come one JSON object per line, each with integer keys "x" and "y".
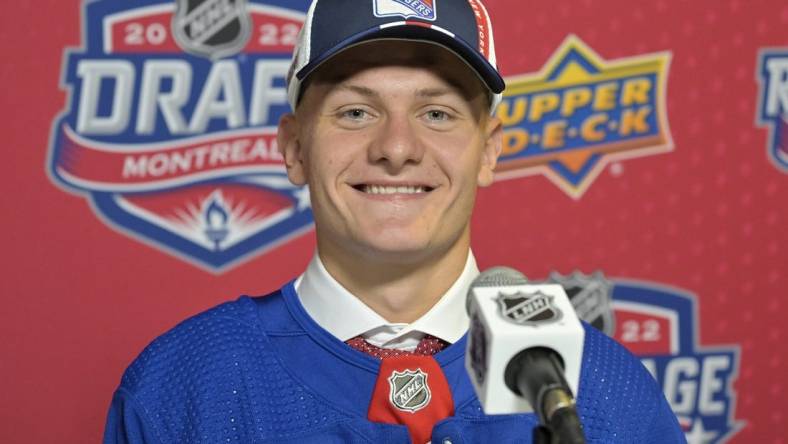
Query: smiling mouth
{"x": 389, "y": 189}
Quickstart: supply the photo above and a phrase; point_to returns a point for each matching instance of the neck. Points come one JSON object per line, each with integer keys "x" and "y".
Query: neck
{"x": 400, "y": 292}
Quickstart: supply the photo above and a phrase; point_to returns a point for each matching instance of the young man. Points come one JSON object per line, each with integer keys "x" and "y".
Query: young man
{"x": 392, "y": 132}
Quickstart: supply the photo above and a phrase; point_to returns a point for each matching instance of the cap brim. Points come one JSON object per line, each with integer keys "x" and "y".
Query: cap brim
{"x": 407, "y": 31}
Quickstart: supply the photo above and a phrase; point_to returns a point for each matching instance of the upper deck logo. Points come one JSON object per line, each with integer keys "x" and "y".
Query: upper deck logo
{"x": 422, "y": 9}
{"x": 772, "y": 77}
{"x": 211, "y": 28}
{"x": 170, "y": 126}
{"x": 580, "y": 113}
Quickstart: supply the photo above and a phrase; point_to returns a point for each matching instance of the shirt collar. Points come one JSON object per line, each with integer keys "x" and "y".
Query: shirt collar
{"x": 343, "y": 315}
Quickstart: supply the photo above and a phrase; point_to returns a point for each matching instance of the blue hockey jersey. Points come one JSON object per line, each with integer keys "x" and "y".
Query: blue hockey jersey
{"x": 260, "y": 370}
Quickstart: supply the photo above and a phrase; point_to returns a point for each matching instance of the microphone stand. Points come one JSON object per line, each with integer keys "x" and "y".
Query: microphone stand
{"x": 537, "y": 375}
{"x": 542, "y": 435}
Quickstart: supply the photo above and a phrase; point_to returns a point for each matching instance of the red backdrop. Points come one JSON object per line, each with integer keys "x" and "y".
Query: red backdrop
{"x": 82, "y": 299}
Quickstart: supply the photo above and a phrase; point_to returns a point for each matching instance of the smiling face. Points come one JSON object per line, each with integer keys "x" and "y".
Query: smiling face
{"x": 393, "y": 138}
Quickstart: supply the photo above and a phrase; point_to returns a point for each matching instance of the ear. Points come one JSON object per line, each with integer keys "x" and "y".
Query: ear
{"x": 493, "y": 144}
{"x": 290, "y": 148}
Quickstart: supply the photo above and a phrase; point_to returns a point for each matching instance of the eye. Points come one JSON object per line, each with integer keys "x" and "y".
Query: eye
{"x": 355, "y": 114}
{"x": 354, "y": 117}
{"x": 437, "y": 115}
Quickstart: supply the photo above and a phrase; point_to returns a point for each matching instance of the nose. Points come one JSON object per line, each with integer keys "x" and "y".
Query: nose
{"x": 397, "y": 144}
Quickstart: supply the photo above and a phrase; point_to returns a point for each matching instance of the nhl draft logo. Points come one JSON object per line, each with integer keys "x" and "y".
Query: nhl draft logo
{"x": 211, "y": 28}
{"x": 590, "y": 296}
{"x": 170, "y": 126}
{"x": 580, "y": 113}
{"x": 422, "y": 9}
{"x": 773, "y": 108}
{"x": 528, "y": 308}
{"x": 408, "y": 390}
{"x": 659, "y": 324}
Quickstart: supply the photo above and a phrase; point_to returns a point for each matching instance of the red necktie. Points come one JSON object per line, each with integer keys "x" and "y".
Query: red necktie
{"x": 429, "y": 345}
{"x": 411, "y": 388}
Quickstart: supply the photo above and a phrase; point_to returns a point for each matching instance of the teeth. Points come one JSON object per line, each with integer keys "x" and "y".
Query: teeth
{"x": 380, "y": 189}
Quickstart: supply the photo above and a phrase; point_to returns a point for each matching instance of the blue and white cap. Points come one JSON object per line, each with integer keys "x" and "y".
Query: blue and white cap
{"x": 462, "y": 26}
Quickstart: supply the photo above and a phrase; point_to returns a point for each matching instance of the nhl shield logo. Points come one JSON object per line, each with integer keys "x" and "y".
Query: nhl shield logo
{"x": 528, "y": 308}
{"x": 408, "y": 390}
{"x": 211, "y": 28}
{"x": 590, "y": 297}
{"x": 422, "y": 9}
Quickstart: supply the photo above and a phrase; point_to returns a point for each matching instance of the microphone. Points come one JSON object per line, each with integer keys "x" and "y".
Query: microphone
{"x": 525, "y": 351}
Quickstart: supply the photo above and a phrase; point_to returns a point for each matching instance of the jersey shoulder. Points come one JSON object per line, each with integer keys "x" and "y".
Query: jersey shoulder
{"x": 617, "y": 393}
{"x": 199, "y": 346}
{"x": 216, "y": 376}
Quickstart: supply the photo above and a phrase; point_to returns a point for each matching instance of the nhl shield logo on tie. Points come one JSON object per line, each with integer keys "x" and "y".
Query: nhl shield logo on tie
{"x": 211, "y": 28}
{"x": 409, "y": 390}
{"x": 528, "y": 308}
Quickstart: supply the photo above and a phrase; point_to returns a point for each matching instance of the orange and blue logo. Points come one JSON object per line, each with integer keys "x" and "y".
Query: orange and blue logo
{"x": 582, "y": 112}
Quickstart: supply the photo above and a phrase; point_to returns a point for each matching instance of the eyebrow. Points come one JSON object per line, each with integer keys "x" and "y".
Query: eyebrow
{"x": 433, "y": 92}
{"x": 362, "y": 90}
{"x": 424, "y": 93}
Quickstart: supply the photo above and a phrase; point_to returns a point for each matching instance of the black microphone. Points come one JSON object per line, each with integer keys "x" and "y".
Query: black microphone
{"x": 525, "y": 351}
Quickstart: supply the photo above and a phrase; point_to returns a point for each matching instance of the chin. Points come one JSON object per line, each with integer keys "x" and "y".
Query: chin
{"x": 396, "y": 247}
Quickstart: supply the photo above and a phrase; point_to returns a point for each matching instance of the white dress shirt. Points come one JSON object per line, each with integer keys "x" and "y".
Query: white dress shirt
{"x": 343, "y": 315}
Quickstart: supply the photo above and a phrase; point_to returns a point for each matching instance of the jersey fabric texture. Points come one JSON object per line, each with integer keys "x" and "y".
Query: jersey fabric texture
{"x": 260, "y": 370}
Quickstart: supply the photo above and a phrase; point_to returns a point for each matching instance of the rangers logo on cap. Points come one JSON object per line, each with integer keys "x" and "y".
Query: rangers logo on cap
{"x": 423, "y": 9}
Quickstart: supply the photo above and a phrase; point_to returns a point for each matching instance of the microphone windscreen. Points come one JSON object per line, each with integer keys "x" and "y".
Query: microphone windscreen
{"x": 499, "y": 276}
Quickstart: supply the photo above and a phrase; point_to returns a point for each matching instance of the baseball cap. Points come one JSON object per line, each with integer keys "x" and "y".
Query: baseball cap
{"x": 331, "y": 26}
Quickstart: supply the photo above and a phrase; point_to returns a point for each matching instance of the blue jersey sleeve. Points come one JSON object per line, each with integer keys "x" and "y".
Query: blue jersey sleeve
{"x": 664, "y": 426}
{"x": 126, "y": 423}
